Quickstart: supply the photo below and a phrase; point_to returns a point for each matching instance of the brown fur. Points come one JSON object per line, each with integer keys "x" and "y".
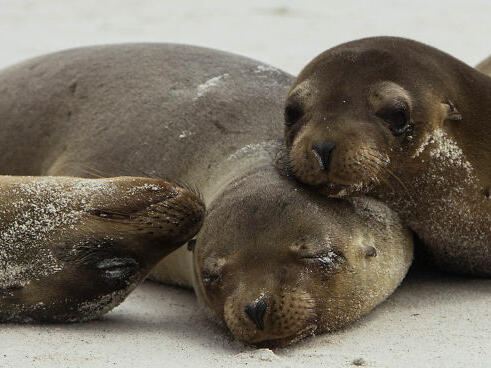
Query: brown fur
{"x": 248, "y": 258}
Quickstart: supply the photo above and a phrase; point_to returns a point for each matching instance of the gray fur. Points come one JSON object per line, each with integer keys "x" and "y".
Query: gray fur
{"x": 122, "y": 110}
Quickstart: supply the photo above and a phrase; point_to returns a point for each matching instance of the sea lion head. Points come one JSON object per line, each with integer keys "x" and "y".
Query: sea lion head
{"x": 72, "y": 249}
{"x": 277, "y": 262}
{"x": 361, "y": 113}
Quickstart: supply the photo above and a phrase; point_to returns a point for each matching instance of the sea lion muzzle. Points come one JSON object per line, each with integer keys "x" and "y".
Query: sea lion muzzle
{"x": 323, "y": 153}
{"x": 256, "y": 311}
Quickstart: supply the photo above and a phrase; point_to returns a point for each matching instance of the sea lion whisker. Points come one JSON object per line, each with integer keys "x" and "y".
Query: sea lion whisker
{"x": 406, "y": 189}
{"x": 378, "y": 156}
{"x": 383, "y": 180}
{"x": 387, "y": 170}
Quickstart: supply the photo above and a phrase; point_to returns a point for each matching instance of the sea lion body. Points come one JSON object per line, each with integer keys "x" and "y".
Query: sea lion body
{"x": 406, "y": 123}
{"x": 274, "y": 260}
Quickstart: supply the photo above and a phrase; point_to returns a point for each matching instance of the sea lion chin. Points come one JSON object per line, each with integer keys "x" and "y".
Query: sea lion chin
{"x": 72, "y": 249}
{"x": 406, "y": 123}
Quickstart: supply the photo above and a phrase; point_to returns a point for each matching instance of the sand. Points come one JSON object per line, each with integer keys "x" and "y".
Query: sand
{"x": 432, "y": 320}
{"x": 284, "y": 33}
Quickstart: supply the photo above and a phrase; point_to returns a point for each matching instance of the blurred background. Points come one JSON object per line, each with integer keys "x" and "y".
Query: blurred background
{"x": 286, "y": 34}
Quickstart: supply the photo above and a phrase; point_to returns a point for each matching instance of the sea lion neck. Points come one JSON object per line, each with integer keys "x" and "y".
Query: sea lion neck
{"x": 453, "y": 213}
{"x": 240, "y": 164}
{"x": 257, "y": 181}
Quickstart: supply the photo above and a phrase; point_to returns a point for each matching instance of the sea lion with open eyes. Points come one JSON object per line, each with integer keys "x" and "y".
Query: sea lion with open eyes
{"x": 274, "y": 260}
{"x": 409, "y": 124}
{"x": 72, "y": 249}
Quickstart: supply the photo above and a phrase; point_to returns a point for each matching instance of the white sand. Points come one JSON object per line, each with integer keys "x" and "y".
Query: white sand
{"x": 286, "y": 34}
{"x": 431, "y": 321}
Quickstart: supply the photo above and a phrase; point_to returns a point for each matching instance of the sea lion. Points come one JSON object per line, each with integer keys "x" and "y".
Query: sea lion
{"x": 71, "y": 249}
{"x": 274, "y": 260}
{"x": 396, "y": 119}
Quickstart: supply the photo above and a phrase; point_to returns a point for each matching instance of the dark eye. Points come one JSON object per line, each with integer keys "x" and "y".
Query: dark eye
{"x": 211, "y": 280}
{"x": 397, "y": 117}
{"x": 293, "y": 113}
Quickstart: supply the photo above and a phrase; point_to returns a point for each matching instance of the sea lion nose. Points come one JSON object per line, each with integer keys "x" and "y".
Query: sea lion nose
{"x": 256, "y": 311}
{"x": 323, "y": 153}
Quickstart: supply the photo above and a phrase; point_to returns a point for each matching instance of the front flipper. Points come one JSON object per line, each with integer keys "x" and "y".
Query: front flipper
{"x": 71, "y": 249}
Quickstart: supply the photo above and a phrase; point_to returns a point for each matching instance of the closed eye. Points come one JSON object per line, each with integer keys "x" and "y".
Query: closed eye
{"x": 327, "y": 259}
{"x": 116, "y": 263}
{"x": 117, "y": 267}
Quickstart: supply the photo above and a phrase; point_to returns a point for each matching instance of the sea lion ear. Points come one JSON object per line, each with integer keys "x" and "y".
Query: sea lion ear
{"x": 369, "y": 251}
{"x": 450, "y": 112}
{"x": 191, "y": 244}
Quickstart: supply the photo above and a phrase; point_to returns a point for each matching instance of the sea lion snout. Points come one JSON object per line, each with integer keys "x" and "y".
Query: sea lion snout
{"x": 323, "y": 153}
{"x": 256, "y": 311}
{"x": 345, "y": 152}
{"x": 275, "y": 318}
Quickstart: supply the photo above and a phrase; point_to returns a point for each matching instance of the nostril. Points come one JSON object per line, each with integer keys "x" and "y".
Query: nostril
{"x": 323, "y": 153}
{"x": 256, "y": 311}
